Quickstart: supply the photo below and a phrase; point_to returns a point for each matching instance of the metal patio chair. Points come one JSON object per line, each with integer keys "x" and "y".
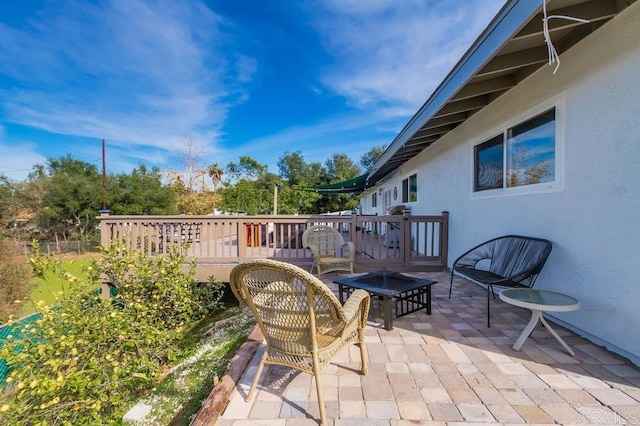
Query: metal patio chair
{"x": 508, "y": 261}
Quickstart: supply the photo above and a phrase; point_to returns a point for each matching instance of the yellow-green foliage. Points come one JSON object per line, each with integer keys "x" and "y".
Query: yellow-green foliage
{"x": 15, "y": 274}
{"x": 87, "y": 358}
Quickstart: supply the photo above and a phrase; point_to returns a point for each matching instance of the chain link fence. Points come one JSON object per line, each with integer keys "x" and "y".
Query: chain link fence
{"x": 63, "y": 247}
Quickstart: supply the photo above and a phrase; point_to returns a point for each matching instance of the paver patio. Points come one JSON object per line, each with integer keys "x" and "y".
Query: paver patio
{"x": 450, "y": 369}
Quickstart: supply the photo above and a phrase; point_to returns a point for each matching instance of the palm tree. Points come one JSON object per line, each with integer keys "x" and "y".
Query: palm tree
{"x": 215, "y": 173}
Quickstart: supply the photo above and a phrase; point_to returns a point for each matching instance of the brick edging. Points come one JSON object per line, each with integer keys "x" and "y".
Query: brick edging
{"x": 217, "y": 401}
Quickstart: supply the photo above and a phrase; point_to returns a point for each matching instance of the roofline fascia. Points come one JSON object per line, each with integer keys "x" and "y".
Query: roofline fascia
{"x": 513, "y": 15}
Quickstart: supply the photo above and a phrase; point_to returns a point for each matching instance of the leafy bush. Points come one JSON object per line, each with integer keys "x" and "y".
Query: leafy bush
{"x": 15, "y": 274}
{"x": 88, "y": 357}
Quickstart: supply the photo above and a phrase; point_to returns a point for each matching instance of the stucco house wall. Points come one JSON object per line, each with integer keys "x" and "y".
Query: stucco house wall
{"x": 593, "y": 219}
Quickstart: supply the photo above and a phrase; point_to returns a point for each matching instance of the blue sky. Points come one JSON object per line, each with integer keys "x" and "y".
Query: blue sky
{"x": 240, "y": 77}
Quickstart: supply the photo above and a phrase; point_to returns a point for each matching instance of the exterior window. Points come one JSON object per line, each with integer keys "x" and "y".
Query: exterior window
{"x": 386, "y": 199}
{"x": 523, "y": 155}
{"x": 410, "y": 189}
{"x": 489, "y": 160}
{"x": 374, "y": 199}
{"x": 413, "y": 188}
{"x": 405, "y": 191}
{"x": 531, "y": 151}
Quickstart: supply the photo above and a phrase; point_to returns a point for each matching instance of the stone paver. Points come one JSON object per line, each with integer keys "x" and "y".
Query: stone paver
{"x": 414, "y": 411}
{"x": 561, "y": 413}
{"x": 612, "y": 397}
{"x": 475, "y": 413}
{"x": 448, "y": 369}
{"x": 382, "y": 410}
{"x": 505, "y": 413}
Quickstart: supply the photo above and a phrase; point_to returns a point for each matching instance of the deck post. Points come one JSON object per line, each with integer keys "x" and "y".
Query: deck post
{"x": 105, "y": 238}
{"x": 444, "y": 240}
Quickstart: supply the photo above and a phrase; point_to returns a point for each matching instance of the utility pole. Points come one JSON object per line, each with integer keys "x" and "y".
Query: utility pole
{"x": 104, "y": 177}
{"x": 275, "y": 198}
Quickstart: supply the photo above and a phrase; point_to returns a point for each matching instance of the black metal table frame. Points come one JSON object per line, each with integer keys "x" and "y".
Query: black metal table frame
{"x": 406, "y": 302}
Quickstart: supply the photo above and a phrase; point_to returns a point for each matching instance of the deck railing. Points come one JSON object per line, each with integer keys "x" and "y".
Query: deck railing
{"x": 217, "y": 243}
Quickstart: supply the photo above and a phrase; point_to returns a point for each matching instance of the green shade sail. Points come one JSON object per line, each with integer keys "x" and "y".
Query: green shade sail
{"x": 357, "y": 184}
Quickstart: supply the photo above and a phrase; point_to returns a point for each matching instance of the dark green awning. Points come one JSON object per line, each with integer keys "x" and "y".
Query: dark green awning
{"x": 357, "y": 184}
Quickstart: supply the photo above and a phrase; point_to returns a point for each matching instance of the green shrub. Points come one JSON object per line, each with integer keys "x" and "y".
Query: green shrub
{"x": 15, "y": 275}
{"x": 88, "y": 358}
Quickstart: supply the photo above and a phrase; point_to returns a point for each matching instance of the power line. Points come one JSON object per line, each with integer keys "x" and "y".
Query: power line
{"x": 15, "y": 170}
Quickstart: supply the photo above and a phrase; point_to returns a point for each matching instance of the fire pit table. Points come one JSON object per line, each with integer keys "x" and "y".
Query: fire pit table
{"x": 409, "y": 294}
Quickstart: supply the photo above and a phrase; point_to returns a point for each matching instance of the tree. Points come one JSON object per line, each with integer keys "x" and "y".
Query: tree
{"x": 248, "y": 197}
{"x": 252, "y": 191}
{"x": 140, "y": 193}
{"x": 67, "y": 195}
{"x": 191, "y": 157}
{"x": 7, "y": 201}
{"x": 215, "y": 173}
{"x": 298, "y": 176}
{"x": 193, "y": 195}
{"x": 15, "y": 274}
{"x": 339, "y": 168}
{"x": 293, "y": 168}
{"x": 246, "y": 168}
{"x": 370, "y": 157}
{"x": 15, "y": 210}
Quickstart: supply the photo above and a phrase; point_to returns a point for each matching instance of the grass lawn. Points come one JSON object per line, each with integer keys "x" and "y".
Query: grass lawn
{"x": 47, "y": 288}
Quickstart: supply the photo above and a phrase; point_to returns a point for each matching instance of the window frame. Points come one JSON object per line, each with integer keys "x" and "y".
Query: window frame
{"x": 386, "y": 198}
{"x": 405, "y": 190}
{"x": 413, "y": 188}
{"x": 556, "y": 185}
{"x": 410, "y": 191}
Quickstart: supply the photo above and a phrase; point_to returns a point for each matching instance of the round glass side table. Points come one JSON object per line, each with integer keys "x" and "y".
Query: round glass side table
{"x": 539, "y": 301}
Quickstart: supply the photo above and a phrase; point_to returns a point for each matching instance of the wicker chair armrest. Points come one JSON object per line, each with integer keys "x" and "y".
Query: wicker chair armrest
{"x": 357, "y": 307}
{"x": 349, "y": 248}
{"x": 315, "y": 252}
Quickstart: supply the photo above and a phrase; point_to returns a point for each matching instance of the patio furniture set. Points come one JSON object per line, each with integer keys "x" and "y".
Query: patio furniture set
{"x": 305, "y": 325}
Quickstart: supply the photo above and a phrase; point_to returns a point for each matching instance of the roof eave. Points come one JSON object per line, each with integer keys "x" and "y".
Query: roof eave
{"x": 506, "y": 24}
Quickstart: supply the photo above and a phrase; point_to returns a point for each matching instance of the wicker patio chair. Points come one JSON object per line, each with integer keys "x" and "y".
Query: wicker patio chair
{"x": 329, "y": 250}
{"x": 303, "y": 323}
{"x": 508, "y": 261}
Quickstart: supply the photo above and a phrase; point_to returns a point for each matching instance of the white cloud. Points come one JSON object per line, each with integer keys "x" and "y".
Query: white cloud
{"x": 17, "y": 160}
{"x": 348, "y": 133}
{"x": 389, "y": 56}
{"x": 392, "y": 54}
{"x": 147, "y": 74}
{"x": 134, "y": 72}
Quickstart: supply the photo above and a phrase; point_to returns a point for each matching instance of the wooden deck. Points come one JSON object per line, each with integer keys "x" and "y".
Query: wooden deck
{"x": 217, "y": 243}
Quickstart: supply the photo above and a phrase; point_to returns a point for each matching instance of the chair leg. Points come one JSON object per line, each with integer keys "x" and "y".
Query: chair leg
{"x": 316, "y": 374}
{"x": 451, "y": 283}
{"x": 256, "y": 378}
{"x": 489, "y": 291}
{"x": 363, "y": 352}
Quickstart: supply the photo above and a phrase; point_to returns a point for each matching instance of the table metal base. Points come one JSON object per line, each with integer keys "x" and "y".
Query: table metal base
{"x": 535, "y": 316}
{"x": 406, "y": 302}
